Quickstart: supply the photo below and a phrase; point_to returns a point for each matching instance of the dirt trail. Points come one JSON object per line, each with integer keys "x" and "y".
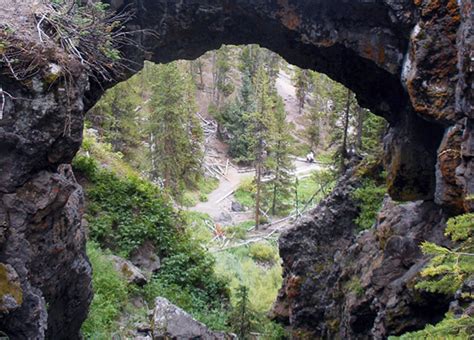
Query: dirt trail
{"x": 216, "y": 205}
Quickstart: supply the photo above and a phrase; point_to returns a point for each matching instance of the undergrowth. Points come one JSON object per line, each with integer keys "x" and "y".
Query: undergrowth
{"x": 110, "y": 295}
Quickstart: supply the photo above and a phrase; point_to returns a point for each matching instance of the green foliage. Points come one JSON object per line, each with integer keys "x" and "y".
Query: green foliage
{"x": 449, "y": 268}
{"x": 222, "y": 68}
{"x": 176, "y": 132}
{"x": 302, "y": 81}
{"x": 461, "y": 227}
{"x": 212, "y": 311}
{"x": 103, "y": 153}
{"x": 451, "y": 328}
{"x": 238, "y": 268}
{"x": 245, "y": 193}
{"x": 262, "y": 284}
{"x": 124, "y": 212}
{"x": 369, "y": 197}
{"x": 278, "y": 164}
{"x": 263, "y": 252}
{"x": 116, "y": 119}
{"x": 110, "y": 296}
{"x": 199, "y": 192}
{"x": 198, "y": 223}
{"x": 188, "y": 199}
{"x": 240, "y": 230}
{"x": 242, "y": 316}
{"x": 445, "y": 274}
{"x": 354, "y": 286}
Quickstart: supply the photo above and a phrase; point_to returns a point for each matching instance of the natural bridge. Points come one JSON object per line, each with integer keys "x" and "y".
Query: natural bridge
{"x": 406, "y": 60}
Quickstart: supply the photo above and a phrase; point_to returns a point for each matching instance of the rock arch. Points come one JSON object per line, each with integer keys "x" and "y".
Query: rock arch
{"x": 406, "y": 60}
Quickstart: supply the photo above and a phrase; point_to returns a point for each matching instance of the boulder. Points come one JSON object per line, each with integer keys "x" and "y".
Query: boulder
{"x": 224, "y": 218}
{"x": 171, "y": 322}
{"x": 145, "y": 258}
{"x": 130, "y": 272}
{"x": 237, "y": 207}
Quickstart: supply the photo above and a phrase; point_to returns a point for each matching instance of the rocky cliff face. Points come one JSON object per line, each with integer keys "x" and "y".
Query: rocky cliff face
{"x": 406, "y": 60}
{"x": 341, "y": 285}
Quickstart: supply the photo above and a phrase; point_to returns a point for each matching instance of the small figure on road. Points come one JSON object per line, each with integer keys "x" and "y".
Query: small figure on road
{"x": 310, "y": 157}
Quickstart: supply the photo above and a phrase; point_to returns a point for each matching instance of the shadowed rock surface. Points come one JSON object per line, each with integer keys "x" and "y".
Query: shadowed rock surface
{"x": 408, "y": 61}
{"x": 338, "y": 285}
{"x": 171, "y": 322}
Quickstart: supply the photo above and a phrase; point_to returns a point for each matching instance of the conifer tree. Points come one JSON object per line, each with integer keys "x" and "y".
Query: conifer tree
{"x": 302, "y": 80}
{"x": 278, "y": 163}
{"x": 177, "y": 135}
{"x": 242, "y": 316}
{"x": 223, "y": 86}
{"x": 260, "y": 123}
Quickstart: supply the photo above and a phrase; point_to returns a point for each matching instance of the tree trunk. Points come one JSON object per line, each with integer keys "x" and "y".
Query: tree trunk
{"x": 257, "y": 198}
{"x": 275, "y": 194}
{"x": 360, "y": 125}
{"x": 346, "y": 128}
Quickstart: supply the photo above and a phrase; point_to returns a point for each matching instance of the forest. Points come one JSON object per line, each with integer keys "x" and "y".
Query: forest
{"x": 278, "y": 169}
{"x": 207, "y": 162}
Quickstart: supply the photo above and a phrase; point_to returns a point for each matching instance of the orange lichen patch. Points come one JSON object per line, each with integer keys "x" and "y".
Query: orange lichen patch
{"x": 288, "y": 15}
{"x": 325, "y": 43}
{"x": 381, "y": 55}
{"x": 454, "y": 11}
{"x": 11, "y": 294}
{"x": 293, "y": 286}
{"x": 430, "y": 7}
{"x": 375, "y": 53}
{"x": 417, "y": 2}
{"x": 368, "y": 50}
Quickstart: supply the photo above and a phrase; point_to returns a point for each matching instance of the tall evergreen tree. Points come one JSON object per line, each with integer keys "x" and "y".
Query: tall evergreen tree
{"x": 223, "y": 86}
{"x": 302, "y": 80}
{"x": 261, "y": 120}
{"x": 242, "y": 315}
{"x": 279, "y": 163}
{"x": 176, "y": 132}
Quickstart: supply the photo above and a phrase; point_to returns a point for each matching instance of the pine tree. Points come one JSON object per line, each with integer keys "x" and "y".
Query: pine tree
{"x": 176, "y": 132}
{"x": 302, "y": 80}
{"x": 234, "y": 119}
{"x": 116, "y": 119}
{"x": 278, "y": 163}
{"x": 260, "y": 123}
{"x": 242, "y": 316}
{"x": 312, "y": 132}
{"x": 450, "y": 267}
{"x": 223, "y": 86}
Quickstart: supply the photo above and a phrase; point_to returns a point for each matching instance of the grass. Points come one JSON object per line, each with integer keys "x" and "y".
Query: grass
{"x": 263, "y": 252}
{"x": 197, "y": 223}
{"x": 245, "y": 193}
{"x": 104, "y": 155}
{"x": 204, "y": 187}
{"x": 240, "y": 230}
{"x": 110, "y": 296}
{"x": 307, "y": 187}
{"x": 325, "y": 157}
{"x": 239, "y": 268}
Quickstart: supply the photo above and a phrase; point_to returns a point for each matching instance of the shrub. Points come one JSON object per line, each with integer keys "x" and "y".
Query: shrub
{"x": 110, "y": 295}
{"x": 445, "y": 274}
{"x": 450, "y": 267}
{"x": 245, "y": 193}
{"x": 213, "y": 313}
{"x": 369, "y": 199}
{"x": 449, "y": 328}
{"x": 263, "y": 252}
{"x": 240, "y": 230}
{"x": 123, "y": 212}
